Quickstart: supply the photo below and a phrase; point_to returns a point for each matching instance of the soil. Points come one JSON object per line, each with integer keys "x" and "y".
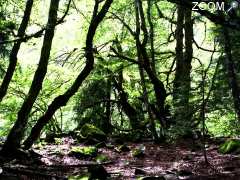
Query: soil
{"x": 183, "y": 160}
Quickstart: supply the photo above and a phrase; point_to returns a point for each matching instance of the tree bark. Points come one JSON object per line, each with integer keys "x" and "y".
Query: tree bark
{"x": 141, "y": 65}
{"x": 15, "y": 49}
{"x": 232, "y": 77}
{"x": 130, "y": 111}
{"x": 107, "y": 126}
{"x": 182, "y": 81}
{"x": 63, "y": 99}
{"x": 159, "y": 89}
{"x": 16, "y": 134}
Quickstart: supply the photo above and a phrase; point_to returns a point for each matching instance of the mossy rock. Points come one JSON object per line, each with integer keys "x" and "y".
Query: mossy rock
{"x": 91, "y": 133}
{"x": 101, "y": 158}
{"x": 123, "y": 148}
{"x": 230, "y": 146}
{"x": 79, "y": 177}
{"x": 100, "y": 145}
{"x": 138, "y": 153}
{"x": 82, "y": 152}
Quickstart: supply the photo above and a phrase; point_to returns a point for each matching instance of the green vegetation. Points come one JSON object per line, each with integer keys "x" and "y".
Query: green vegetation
{"x": 230, "y": 146}
{"x": 86, "y": 78}
{"x": 79, "y": 152}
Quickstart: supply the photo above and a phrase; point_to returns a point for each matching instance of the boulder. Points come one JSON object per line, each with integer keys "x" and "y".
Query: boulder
{"x": 97, "y": 172}
{"x": 138, "y": 153}
{"x": 91, "y": 134}
{"x": 139, "y": 172}
{"x": 84, "y": 152}
{"x": 101, "y": 158}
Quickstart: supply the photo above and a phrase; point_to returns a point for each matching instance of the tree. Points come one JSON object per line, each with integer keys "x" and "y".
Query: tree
{"x": 14, "y": 52}
{"x": 182, "y": 81}
{"x": 62, "y": 100}
{"x": 16, "y": 134}
{"x": 232, "y": 77}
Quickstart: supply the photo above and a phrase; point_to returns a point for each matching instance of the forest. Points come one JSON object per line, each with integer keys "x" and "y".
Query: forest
{"x": 119, "y": 89}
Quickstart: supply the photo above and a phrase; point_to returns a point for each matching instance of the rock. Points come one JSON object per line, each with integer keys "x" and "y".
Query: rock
{"x": 139, "y": 172}
{"x": 123, "y": 148}
{"x": 101, "y": 158}
{"x": 139, "y": 152}
{"x": 78, "y": 177}
{"x": 230, "y": 146}
{"x": 171, "y": 177}
{"x": 97, "y": 172}
{"x": 83, "y": 152}
{"x": 91, "y": 133}
{"x": 184, "y": 173}
{"x": 100, "y": 145}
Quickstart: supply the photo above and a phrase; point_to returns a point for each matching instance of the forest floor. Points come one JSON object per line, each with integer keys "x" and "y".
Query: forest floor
{"x": 183, "y": 160}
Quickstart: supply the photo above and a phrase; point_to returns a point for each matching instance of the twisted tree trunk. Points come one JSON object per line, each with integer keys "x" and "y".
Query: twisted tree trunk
{"x": 16, "y": 134}
{"x": 64, "y": 98}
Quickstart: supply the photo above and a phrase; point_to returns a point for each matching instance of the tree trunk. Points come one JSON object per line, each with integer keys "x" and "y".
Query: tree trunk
{"x": 159, "y": 89}
{"x": 182, "y": 79}
{"x": 13, "y": 55}
{"x": 17, "y": 132}
{"x": 63, "y": 99}
{"x": 141, "y": 70}
{"x": 130, "y": 111}
{"x": 232, "y": 77}
{"x": 107, "y": 126}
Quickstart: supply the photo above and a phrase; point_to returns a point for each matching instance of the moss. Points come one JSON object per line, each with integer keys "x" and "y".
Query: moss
{"x": 138, "y": 153}
{"x": 89, "y": 131}
{"x": 58, "y": 141}
{"x": 122, "y": 148}
{"x": 101, "y": 158}
{"x": 82, "y": 177}
{"x": 230, "y": 146}
{"x": 88, "y": 151}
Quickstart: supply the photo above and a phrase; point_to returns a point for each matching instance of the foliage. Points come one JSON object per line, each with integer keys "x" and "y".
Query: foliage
{"x": 230, "y": 146}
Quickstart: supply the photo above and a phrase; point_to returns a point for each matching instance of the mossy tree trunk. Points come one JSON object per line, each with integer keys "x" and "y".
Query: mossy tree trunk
{"x": 182, "y": 80}
{"x": 158, "y": 86}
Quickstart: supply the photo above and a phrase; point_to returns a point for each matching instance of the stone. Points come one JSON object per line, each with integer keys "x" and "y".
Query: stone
{"x": 83, "y": 152}
{"x": 97, "y": 172}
